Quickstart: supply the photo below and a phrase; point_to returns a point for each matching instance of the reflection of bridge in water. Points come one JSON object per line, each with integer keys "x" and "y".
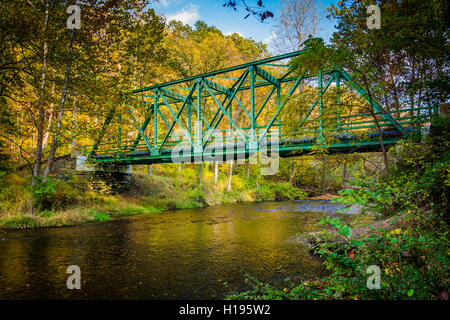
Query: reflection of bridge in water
{"x": 169, "y": 122}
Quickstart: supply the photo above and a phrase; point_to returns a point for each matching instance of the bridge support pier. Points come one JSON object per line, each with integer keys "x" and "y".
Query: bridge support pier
{"x": 105, "y": 178}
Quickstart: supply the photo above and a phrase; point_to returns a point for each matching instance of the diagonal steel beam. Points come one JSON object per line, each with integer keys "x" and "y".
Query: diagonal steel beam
{"x": 141, "y": 132}
{"x": 180, "y": 98}
{"x": 267, "y": 76}
{"x": 186, "y": 101}
{"x": 373, "y": 103}
{"x": 291, "y": 91}
{"x": 138, "y": 138}
{"x": 144, "y": 126}
{"x": 174, "y": 95}
{"x": 265, "y": 102}
{"x": 224, "y": 90}
{"x": 234, "y": 90}
{"x": 175, "y": 117}
{"x": 217, "y": 86}
{"x": 108, "y": 119}
{"x": 308, "y": 113}
{"x": 164, "y": 118}
{"x": 224, "y": 112}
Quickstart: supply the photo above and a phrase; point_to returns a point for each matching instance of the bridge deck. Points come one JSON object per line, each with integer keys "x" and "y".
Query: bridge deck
{"x": 343, "y": 143}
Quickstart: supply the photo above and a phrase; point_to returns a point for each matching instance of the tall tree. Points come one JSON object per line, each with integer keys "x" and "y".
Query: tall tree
{"x": 408, "y": 55}
{"x": 298, "y": 19}
{"x": 72, "y": 62}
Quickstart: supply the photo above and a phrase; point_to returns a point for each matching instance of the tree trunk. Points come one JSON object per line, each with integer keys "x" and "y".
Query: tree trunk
{"x": 216, "y": 172}
{"x": 383, "y": 149}
{"x": 38, "y": 154}
{"x": 200, "y": 174}
{"x": 380, "y": 135}
{"x": 291, "y": 169}
{"x": 322, "y": 175}
{"x": 41, "y": 117}
{"x": 230, "y": 176}
{"x": 74, "y": 112}
{"x": 344, "y": 173}
{"x": 55, "y": 138}
{"x": 49, "y": 124}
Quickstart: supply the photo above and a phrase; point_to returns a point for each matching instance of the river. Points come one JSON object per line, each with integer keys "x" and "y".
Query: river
{"x": 186, "y": 254}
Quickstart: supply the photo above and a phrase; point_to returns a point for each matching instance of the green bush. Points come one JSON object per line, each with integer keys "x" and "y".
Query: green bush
{"x": 65, "y": 195}
{"x": 413, "y": 263}
{"x": 413, "y": 258}
{"x": 43, "y": 193}
{"x": 51, "y": 195}
{"x": 18, "y": 222}
{"x": 270, "y": 191}
{"x": 99, "y": 216}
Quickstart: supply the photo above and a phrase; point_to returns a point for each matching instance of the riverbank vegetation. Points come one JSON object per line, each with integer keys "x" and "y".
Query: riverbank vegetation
{"x": 410, "y": 251}
{"x": 169, "y": 187}
{"x": 405, "y": 254}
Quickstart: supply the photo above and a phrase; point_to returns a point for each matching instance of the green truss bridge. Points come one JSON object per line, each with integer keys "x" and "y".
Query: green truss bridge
{"x": 261, "y": 106}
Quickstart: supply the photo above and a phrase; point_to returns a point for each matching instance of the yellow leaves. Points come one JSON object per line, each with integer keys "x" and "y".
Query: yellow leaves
{"x": 396, "y": 231}
{"x": 393, "y": 268}
{"x": 396, "y": 266}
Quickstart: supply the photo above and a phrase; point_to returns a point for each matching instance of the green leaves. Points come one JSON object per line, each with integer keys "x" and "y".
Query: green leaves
{"x": 341, "y": 228}
{"x": 42, "y": 193}
{"x": 316, "y": 57}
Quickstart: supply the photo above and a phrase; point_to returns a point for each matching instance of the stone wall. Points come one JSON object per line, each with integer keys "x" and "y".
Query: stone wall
{"x": 106, "y": 179}
{"x": 107, "y": 182}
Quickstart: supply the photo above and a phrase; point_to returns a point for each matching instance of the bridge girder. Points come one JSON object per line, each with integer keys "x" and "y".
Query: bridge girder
{"x": 171, "y": 106}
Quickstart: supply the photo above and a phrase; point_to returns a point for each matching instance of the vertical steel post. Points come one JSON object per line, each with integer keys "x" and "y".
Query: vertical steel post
{"x": 155, "y": 122}
{"x": 120, "y": 135}
{"x": 338, "y": 99}
{"x": 199, "y": 144}
{"x": 320, "y": 105}
{"x": 252, "y": 111}
{"x": 278, "y": 105}
{"x": 230, "y": 114}
{"x": 190, "y": 119}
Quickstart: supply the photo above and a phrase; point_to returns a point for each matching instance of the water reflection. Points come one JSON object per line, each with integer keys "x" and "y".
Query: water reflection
{"x": 187, "y": 254}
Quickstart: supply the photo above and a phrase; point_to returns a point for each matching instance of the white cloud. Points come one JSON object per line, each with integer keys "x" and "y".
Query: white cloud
{"x": 188, "y": 15}
{"x": 166, "y": 3}
{"x": 270, "y": 38}
{"x": 229, "y": 33}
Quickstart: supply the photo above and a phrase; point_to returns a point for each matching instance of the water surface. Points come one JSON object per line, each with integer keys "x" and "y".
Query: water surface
{"x": 186, "y": 254}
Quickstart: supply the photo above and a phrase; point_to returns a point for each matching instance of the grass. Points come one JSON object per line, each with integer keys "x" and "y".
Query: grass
{"x": 71, "y": 202}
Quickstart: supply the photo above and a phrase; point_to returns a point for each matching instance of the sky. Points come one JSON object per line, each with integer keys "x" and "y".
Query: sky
{"x": 229, "y": 21}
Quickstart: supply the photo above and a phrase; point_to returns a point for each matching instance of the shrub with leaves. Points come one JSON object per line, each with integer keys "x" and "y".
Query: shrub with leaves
{"x": 411, "y": 250}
